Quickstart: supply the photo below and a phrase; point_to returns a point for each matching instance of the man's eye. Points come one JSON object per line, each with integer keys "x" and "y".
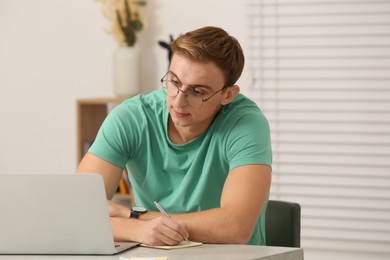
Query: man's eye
{"x": 174, "y": 82}
{"x": 196, "y": 93}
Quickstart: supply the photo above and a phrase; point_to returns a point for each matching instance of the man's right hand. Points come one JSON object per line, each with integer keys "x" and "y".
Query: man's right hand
{"x": 163, "y": 231}
{"x": 156, "y": 231}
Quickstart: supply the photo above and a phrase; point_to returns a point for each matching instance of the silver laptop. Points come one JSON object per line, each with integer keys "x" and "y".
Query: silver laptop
{"x": 55, "y": 214}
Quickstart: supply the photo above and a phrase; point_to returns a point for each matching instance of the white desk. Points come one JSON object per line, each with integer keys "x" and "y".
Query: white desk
{"x": 204, "y": 252}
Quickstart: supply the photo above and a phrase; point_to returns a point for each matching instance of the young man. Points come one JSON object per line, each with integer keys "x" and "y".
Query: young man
{"x": 198, "y": 147}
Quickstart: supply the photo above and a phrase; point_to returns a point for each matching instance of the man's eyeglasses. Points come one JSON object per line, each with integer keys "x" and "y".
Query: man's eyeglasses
{"x": 194, "y": 98}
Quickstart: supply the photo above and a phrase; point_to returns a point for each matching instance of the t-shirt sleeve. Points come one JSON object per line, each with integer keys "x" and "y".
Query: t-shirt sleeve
{"x": 117, "y": 136}
{"x": 249, "y": 141}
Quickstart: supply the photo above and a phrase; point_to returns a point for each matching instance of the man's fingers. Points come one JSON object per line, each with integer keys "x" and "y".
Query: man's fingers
{"x": 172, "y": 232}
{"x": 164, "y": 231}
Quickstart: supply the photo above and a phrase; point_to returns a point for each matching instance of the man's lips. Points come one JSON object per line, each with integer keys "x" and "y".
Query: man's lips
{"x": 180, "y": 114}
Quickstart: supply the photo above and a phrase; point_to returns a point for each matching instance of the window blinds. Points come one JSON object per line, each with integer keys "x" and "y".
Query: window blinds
{"x": 321, "y": 74}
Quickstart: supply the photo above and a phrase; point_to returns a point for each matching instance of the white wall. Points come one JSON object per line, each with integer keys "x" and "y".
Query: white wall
{"x": 53, "y": 52}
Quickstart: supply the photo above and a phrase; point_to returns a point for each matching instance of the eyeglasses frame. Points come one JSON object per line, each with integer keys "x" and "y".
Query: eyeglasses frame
{"x": 179, "y": 90}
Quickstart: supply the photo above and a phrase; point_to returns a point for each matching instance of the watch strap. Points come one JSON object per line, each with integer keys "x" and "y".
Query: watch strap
{"x": 134, "y": 214}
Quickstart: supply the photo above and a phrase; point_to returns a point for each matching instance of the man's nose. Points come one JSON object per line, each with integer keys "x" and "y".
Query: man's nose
{"x": 181, "y": 99}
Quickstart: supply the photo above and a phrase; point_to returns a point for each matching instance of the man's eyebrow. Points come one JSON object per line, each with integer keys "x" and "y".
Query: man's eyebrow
{"x": 191, "y": 85}
{"x": 172, "y": 73}
{"x": 201, "y": 86}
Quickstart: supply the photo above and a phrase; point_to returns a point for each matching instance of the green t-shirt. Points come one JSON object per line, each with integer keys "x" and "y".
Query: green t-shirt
{"x": 188, "y": 177}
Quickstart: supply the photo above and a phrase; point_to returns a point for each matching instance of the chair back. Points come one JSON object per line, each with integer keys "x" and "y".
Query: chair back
{"x": 283, "y": 224}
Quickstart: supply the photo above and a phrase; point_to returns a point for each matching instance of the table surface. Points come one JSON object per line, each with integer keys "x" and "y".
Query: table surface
{"x": 206, "y": 251}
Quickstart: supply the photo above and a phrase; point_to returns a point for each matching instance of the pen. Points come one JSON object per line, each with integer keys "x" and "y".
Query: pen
{"x": 161, "y": 209}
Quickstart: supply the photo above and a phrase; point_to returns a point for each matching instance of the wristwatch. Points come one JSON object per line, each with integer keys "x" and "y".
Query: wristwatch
{"x": 135, "y": 211}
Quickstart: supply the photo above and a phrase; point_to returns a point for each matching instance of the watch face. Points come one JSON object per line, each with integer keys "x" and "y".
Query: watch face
{"x": 138, "y": 209}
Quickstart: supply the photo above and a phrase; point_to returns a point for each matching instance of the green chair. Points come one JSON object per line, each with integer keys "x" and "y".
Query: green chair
{"x": 283, "y": 224}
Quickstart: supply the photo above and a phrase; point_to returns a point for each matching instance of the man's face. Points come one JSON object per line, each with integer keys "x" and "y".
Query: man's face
{"x": 194, "y": 77}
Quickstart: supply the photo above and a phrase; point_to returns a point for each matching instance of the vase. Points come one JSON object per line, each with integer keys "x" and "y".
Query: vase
{"x": 126, "y": 71}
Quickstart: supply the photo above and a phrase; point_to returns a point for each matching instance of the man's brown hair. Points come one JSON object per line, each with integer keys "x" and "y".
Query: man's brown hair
{"x": 212, "y": 44}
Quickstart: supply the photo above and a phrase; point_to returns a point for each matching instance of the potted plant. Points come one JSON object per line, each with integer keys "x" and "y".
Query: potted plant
{"x": 125, "y": 19}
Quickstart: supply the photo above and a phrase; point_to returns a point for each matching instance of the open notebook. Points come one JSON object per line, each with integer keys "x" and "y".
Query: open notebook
{"x": 55, "y": 214}
{"x": 183, "y": 244}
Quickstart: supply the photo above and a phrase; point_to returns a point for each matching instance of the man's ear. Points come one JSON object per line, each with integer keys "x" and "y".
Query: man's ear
{"x": 230, "y": 94}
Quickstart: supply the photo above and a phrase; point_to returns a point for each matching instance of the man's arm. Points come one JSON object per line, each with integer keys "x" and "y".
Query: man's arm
{"x": 110, "y": 172}
{"x": 243, "y": 197}
{"x": 159, "y": 231}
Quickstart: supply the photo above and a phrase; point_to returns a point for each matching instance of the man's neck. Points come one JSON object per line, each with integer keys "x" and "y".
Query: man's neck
{"x": 182, "y": 135}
